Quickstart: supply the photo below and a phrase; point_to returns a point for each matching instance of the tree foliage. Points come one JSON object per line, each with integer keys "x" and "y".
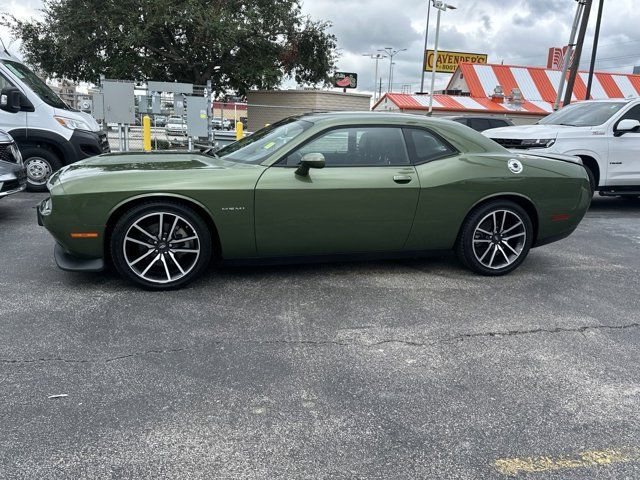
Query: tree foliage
{"x": 256, "y": 43}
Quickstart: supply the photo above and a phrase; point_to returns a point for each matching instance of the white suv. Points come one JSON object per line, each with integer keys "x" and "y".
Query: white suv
{"x": 605, "y": 134}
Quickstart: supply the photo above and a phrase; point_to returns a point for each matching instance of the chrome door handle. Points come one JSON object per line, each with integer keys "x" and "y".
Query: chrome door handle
{"x": 401, "y": 178}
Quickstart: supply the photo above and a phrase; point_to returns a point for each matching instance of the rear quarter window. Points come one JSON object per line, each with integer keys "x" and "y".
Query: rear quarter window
{"x": 425, "y": 146}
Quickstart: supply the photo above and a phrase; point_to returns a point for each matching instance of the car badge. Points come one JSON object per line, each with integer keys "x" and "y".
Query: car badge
{"x": 515, "y": 166}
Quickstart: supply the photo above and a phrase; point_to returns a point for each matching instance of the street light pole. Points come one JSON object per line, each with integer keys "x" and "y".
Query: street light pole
{"x": 392, "y": 53}
{"x": 424, "y": 51}
{"x": 376, "y": 57}
{"x": 442, "y": 7}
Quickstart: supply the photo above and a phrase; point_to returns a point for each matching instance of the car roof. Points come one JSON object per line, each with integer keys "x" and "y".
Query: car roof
{"x": 368, "y": 117}
{"x": 609, "y": 100}
{"x": 488, "y": 117}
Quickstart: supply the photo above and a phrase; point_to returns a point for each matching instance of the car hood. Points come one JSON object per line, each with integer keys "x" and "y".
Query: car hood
{"x": 161, "y": 171}
{"x": 526, "y": 131}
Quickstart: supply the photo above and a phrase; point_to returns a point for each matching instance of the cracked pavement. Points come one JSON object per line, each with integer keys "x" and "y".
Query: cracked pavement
{"x": 386, "y": 369}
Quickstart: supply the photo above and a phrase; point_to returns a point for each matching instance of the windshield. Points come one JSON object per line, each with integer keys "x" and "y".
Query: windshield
{"x": 36, "y": 84}
{"x": 583, "y": 114}
{"x": 263, "y": 143}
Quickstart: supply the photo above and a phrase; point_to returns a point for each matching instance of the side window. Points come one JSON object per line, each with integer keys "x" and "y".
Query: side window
{"x": 358, "y": 146}
{"x": 479, "y": 124}
{"x": 4, "y": 82}
{"x": 633, "y": 114}
{"x": 498, "y": 123}
{"x": 463, "y": 121}
{"x": 425, "y": 146}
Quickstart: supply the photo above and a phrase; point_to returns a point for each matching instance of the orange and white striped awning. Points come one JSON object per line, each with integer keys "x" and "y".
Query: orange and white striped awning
{"x": 537, "y": 85}
{"x": 540, "y": 84}
{"x": 456, "y": 103}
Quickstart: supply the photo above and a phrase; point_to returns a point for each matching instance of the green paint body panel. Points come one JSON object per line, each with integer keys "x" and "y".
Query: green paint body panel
{"x": 267, "y": 210}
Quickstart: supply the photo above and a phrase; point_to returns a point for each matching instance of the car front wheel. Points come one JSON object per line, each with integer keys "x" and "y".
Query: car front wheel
{"x": 40, "y": 163}
{"x": 495, "y": 238}
{"x": 161, "y": 245}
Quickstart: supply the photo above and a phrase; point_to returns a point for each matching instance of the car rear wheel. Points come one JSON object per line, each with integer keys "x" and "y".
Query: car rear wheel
{"x": 161, "y": 245}
{"x": 495, "y": 238}
{"x": 40, "y": 163}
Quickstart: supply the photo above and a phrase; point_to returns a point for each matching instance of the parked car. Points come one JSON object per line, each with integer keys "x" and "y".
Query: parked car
{"x": 13, "y": 174}
{"x": 176, "y": 126}
{"x": 158, "y": 121}
{"x": 605, "y": 134}
{"x": 220, "y": 124}
{"x": 480, "y": 123}
{"x": 48, "y": 132}
{"x": 318, "y": 185}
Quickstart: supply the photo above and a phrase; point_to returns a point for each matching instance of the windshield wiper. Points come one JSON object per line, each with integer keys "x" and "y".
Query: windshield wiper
{"x": 211, "y": 152}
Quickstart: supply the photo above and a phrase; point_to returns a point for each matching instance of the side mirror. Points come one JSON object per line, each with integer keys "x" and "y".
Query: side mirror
{"x": 627, "y": 125}
{"x": 10, "y": 100}
{"x": 310, "y": 160}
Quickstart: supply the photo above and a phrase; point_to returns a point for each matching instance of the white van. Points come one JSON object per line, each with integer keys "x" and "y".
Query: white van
{"x": 49, "y": 133}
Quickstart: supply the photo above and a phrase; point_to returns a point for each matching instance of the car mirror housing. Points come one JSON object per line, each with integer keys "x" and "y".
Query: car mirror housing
{"x": 310, "y": 160}
{"x": 626, "y": 126}
{"x": 10, "y": 100}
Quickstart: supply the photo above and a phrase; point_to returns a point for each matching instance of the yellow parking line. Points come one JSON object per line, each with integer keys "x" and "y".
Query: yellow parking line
{"x": 590, "y": 458}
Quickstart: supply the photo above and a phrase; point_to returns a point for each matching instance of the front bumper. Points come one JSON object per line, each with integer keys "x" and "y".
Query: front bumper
{"x": 13, "y": 178}
{"x": 69, "y": 263}
{"x": 87, "y": 144}
{"x": 64, "y": 259}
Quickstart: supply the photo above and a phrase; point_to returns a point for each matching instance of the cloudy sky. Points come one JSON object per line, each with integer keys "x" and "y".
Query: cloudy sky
{"x": 513, "y": 31}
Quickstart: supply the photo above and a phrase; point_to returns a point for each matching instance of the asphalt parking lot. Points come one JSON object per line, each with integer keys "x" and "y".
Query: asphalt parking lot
{"x": 389, "y": 369}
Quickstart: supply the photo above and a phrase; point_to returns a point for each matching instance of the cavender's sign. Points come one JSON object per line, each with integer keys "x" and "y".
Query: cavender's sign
{"x": 448, "y": 61}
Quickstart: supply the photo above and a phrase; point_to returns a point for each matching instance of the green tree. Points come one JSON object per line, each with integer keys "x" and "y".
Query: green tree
{"x": 255, "y": 43}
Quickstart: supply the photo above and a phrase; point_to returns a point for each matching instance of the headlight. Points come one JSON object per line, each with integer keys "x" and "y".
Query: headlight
{"x": 72, "y": 124}
{"x": 538, "y": 143}
{"x": 45, "y": 207}
{"x": 16, "y": 153}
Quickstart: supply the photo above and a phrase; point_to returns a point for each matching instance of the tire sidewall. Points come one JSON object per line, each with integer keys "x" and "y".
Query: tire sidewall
{"x": 466, "y": 241}
{"x": 130, "y": 217}
{"x": 48, "y": 156}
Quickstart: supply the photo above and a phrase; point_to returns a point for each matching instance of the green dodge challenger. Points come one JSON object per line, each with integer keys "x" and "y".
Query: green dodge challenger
{"x": 326, "y": 185}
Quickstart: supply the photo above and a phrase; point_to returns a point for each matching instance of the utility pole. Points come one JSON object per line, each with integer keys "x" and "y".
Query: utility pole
{"x": 424, "y": 51}
{"x": 567, "y": 56}
{"x": 575, "y": 65}
{"x": 594, "y": 52}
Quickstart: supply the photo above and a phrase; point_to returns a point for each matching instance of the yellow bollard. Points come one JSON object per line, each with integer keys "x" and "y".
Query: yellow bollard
{"x": 146, "y": 133}
{"x": 239, "y": 130}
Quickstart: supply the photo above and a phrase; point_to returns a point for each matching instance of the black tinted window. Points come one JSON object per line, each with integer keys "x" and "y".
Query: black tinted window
{"x": 358, "y": 146}
{"x": 499, "y": 123}
{"x": 633, "y": 114}
{"x": 463, "y": 121}
{"x": 479, "y": 124}
{"x": 425, "y": 146}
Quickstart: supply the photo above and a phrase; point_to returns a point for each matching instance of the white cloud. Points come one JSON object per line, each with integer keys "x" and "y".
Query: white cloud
{"x": 513, "y": 31}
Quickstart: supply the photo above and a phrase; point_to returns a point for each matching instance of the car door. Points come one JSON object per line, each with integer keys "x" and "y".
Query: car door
{"x": 363, "y": 200}
{"x": 624, "y": 153}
